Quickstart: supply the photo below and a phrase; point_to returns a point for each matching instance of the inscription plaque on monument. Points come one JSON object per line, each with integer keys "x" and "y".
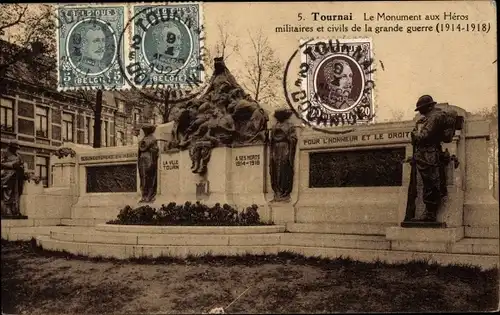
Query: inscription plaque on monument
{"x": 112, "y": 178}
{"x": 362, "y": 168}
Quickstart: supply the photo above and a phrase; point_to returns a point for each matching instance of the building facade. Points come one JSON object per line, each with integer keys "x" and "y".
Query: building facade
{"x": 42, "y": 119}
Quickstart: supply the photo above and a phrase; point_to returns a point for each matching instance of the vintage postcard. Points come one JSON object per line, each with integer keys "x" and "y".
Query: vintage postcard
{"x": 249, "y": 157}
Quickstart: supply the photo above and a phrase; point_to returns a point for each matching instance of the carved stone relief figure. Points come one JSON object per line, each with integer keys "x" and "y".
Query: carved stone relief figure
{"x": 222, "y": 116}
{"x": 148, "y": 164}
{"x": 283, "y": 144}
{"x": 13, "y": 176}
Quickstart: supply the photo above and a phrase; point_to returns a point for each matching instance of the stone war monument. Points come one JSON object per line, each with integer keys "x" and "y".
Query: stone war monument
{"x": 223, "y": 133}
{"x": 429, "y": 161}
{"x": 334, "y": 194}
{"x": 13, "y": 177}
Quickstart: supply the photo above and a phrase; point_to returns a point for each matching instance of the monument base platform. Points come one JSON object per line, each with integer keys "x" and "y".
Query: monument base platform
{"x": 425, "y": 234}
{"x": 125, "y": 242}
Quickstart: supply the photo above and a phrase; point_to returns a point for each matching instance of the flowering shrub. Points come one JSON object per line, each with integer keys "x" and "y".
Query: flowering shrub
{"x": 189, "y": 214}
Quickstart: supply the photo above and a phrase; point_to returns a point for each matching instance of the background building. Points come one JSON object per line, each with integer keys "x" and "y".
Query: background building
{"x": 42, "y": 118}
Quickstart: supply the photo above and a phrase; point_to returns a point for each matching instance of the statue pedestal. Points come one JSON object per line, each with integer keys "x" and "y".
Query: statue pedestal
{"x": 451, "y": 211}
{"x": 235, "y": 176}
{"x": 282, "y": 212}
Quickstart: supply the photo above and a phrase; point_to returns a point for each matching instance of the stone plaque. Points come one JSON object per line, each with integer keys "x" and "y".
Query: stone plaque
{"x": 112, "y": 178}
{"x": 360, "y": 168}
{"x": 202, "y": 190}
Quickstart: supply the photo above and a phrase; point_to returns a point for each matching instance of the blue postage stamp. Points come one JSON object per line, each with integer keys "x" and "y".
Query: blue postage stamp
{"x": 89, "y": 47}
{"x": 166, "y": 44}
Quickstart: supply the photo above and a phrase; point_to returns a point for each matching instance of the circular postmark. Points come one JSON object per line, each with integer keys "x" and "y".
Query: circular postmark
{"x": 333, "y": 85}
{"x": 167, "y": 46}
{"x": 166, "y": 52}
{"x": 91, "y": 46}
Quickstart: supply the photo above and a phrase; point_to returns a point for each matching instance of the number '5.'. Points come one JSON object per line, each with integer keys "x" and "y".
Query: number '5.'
{"x": 300, "y": 16}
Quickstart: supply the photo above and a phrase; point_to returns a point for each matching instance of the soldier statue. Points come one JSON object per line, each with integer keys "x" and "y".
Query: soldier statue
{"x": 433, "y": 128}
{"x": 13, "y": 176}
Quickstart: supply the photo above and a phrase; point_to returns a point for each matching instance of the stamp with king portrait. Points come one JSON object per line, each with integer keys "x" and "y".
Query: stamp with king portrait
{"x": 88, "y": 47}
{"x": 335, "y": 82}
{"x": 166, "y": 45}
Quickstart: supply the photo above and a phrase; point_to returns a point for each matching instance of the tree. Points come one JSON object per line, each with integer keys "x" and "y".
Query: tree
{"x": 263, "y": 70}
{"x": 93, "y": 100}
{"x": 227, "y": 44}
{"x": 396, "y": 115}
{"x": 151, "y": 100}
{"x": 29, "y": 29}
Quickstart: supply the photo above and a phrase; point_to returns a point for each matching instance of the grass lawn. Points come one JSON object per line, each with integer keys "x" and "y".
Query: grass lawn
{"x": 39, "y": 282}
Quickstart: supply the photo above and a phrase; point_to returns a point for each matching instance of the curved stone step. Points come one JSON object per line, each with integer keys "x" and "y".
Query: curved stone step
{"x": 335, "y": 240}
{"x": 27, "y": 233}
{"x": 127, "y": 251}
{"x": 479, "y": 246}
{"x": 338, "y": 228}
{"x": 294, "y": 239}
{"x": 163, "y": 239}
{"x": 154, "y": 229}
{"x": 121, "y": 251}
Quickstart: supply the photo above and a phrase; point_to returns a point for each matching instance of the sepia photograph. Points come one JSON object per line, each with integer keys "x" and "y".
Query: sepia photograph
{"x": 249, "y": 157}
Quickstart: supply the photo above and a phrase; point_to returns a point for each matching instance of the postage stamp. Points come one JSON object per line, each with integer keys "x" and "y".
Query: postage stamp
{"x": 335, "y": 81}
{"x": 88, "y": 47}
{"x": 166, "y": 45}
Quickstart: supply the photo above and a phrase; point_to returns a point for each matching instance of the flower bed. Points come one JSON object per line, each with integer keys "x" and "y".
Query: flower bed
{"x": 194, "y": 214}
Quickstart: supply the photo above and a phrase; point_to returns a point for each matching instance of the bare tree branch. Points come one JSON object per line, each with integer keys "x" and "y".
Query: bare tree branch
{"x": 5, "y": 24}
{"x": 226, "y": 44}
{"x": 262, "y": 69}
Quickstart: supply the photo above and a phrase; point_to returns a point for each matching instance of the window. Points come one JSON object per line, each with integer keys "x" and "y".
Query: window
{"x": 67, "y": 127}
{"x": 87, "y": 130}
{"x": 137, "y": 116}
{"x": 42, "y": 125}
{"x": 105, "y": 131}
{"x": 42, "y": 166}
{"x": 121, "y": 105}
{"x": 119, "y": 138}
{"x": 7, "y": 115}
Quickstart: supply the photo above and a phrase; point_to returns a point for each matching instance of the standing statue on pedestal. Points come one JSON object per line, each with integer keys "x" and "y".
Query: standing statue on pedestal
{"x": 283, "y": 145}
{"x": 429, "y": 159}
{"x": 147, "y": 163}
{"x": 13, "y": 176}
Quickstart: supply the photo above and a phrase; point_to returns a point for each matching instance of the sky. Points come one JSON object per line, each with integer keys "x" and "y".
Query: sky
{"x": 454, "y": 67}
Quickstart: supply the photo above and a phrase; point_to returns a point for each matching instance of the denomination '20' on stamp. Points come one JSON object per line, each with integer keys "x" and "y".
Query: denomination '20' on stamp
{"x": 339, "y": 80}
{"x": 167, "y": 44}
{"x": 89, "y": 47}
